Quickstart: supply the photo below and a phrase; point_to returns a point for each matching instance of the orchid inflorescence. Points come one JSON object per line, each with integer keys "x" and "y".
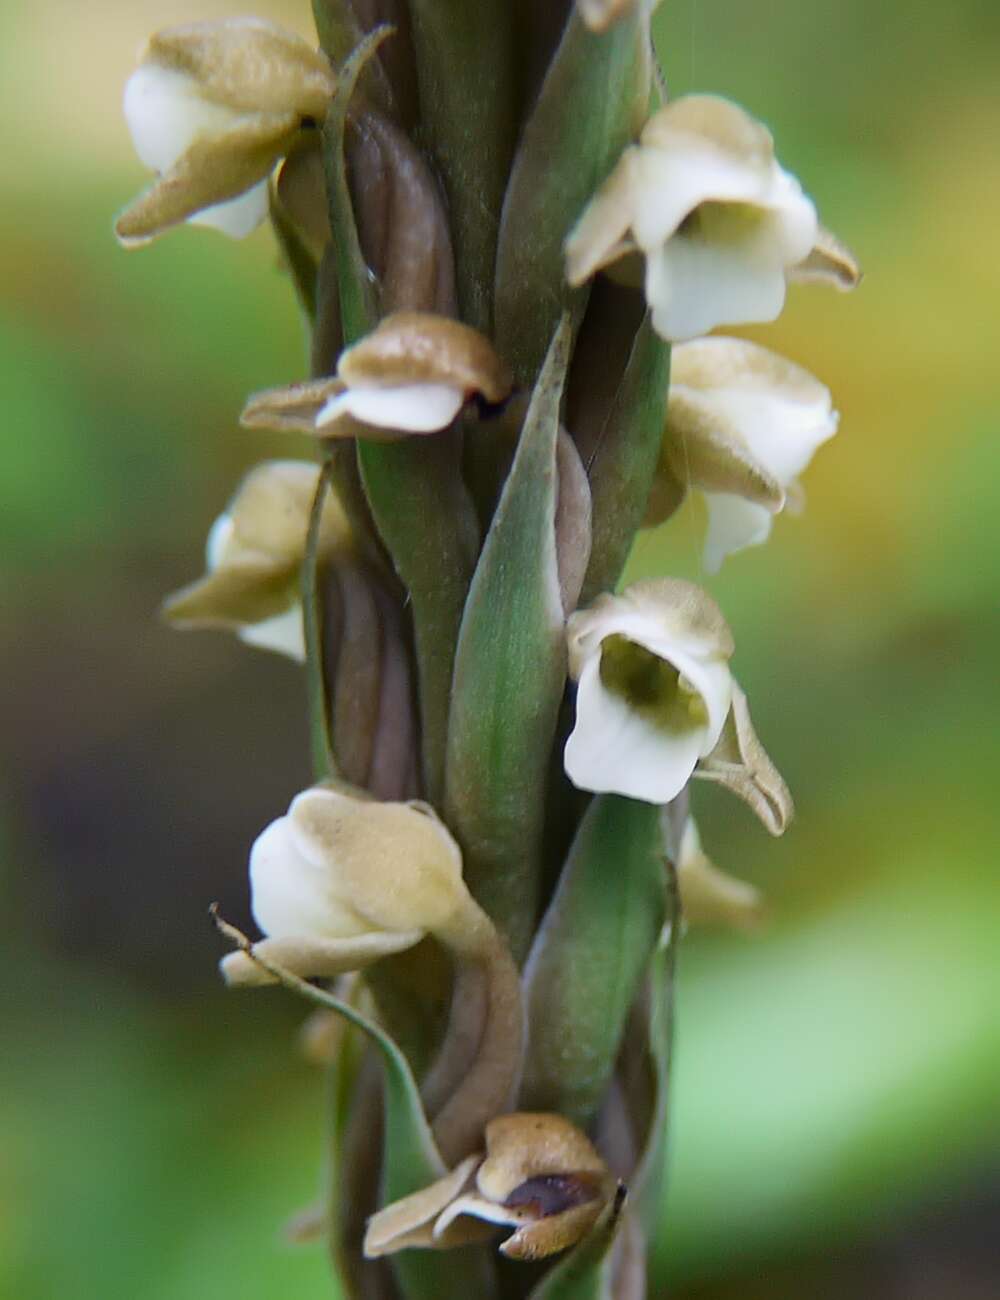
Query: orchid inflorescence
{"x": 488, "y": 880}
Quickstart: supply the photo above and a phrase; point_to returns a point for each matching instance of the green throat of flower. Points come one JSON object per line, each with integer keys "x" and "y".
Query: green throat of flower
{"x": 652, "y": 686}
{"x": 716, "y": 223}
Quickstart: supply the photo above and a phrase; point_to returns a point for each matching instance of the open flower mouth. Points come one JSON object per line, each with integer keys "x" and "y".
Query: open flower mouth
{"x": 652, "y": 686}
{"x": 719, "y": 222}
{"x": 548, "y": 1194}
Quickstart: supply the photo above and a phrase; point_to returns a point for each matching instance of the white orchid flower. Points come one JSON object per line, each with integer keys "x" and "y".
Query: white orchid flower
{"x": 719, "y": 223}
{"x": 340, "y": 881}
{"x": 654, "y": 688}
{"x": 742, "y": 424}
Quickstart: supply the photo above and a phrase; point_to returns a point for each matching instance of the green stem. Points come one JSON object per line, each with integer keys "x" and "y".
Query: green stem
{"x": 324, "y": 756}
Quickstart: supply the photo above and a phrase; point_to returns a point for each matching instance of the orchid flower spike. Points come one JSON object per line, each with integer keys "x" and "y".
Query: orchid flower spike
{"x": 654, "y": 688}
{"x": 539, "y": 1176}
{"x": 412, "y": 374}
{"x": 720, "y": 224}
{"x": 742, "y": 424}
{"x": 254, "y": 559}
{"x": 211, "y": 108}
{"x": 342, "y": 880}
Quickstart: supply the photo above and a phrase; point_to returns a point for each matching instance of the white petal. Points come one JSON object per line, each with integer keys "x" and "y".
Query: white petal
{"x": 283, "y": 634}
{"x": 613, "y": 748}
{"x": 237, "y": 217}
{"x": 669, "y": 184}
{"x": 219, "y": 542}
{"x": 478, "y": 1207}
{"x": 292, "y": 896}
{"x": 781, "y": 433}
{"x": 412, "y": 408}
{"x": 733, "y": 525}
{"x": 692, "y": 286}
{"x": 166, "y": 114}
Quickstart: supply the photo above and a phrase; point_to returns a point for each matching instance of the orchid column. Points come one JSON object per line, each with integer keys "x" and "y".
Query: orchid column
{"x": 496, "y": 226}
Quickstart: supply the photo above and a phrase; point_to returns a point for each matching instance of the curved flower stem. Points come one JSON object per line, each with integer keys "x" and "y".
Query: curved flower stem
{"x": 479, "y": 1067}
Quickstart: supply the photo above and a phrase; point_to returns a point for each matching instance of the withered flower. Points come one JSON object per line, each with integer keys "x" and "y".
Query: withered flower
{"x": 539, "y": 1176}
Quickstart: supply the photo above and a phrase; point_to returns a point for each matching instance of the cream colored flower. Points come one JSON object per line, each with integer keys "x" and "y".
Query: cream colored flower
{"x": 341, "y": 881}
{"x": 212, "y": 107}
{"x": 742, "y": 424}
{"x": 654, "y": 688}
{"x": 412, "y": 374}
{"x": 718, "y": 221}
{"x": 540, "y": 1176}
{"x": 254, "y": 559}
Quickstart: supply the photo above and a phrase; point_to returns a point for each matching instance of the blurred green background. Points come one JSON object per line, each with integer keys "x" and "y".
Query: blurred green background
{"x": 835, "y": 1122}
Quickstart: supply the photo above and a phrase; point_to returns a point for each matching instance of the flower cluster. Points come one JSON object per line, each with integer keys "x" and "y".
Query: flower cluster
{"x": 505, "y": 737}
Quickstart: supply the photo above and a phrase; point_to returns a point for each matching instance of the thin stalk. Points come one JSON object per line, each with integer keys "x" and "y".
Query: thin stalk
{"x": 324, "y": 756}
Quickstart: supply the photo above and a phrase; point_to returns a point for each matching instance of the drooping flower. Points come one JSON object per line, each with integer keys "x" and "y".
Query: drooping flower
{"x": 719, "y": 222}
{"x": 742, "y": 424}
{"x": 211, "y": 108}
{"x": 540, "y": 1176}
{"x": 412, "y": 374}
{"x": 654, "y": 688}
{"x": 254, "y": 557}
{"x": 341, "y": 880}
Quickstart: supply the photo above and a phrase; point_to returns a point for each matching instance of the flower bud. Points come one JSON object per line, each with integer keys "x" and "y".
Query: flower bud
{"x": 540, "y": 1176}
{"x": 654, "y": 688}
{"x": 402, "y": 219}
{"x": 211, "y": 108}
{"x": 411, "y": 374}
{"x": 742, "y": 424}
{"x": 718, "y": 221}
{"x": 341, "y": 881}
{"x": 254, "y": 557}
